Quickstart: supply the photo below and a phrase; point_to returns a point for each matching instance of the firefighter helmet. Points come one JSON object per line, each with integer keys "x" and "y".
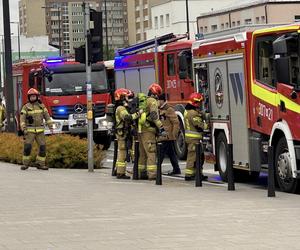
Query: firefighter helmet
{"x": 155, "y": 89}
{"x": 33, "y": 91}
{"x": 196, "y": 99}
{"x": 122, "y": 93}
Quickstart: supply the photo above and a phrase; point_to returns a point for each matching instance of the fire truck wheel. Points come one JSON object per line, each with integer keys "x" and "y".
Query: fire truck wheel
{"x": 283, "y": 169}
{"x": 180, "y": 145}
{"x": 221, "y": 155}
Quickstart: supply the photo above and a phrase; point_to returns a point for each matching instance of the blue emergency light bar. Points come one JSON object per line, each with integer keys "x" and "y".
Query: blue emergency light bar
{"x": 55, "y": 60}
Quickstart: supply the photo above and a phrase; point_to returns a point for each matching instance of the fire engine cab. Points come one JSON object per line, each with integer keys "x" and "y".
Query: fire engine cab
{"x": 252, "y": 82}
{"x": 63, "y": 91}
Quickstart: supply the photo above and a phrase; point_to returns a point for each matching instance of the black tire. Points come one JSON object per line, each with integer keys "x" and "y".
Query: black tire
{"x": 180, "y": 145}
{"x": 105, "y": 141}
{"x": 283, "y": 170}
{"x": 221, "y": 155}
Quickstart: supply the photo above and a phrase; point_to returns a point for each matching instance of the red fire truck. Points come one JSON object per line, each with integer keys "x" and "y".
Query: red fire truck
{"x": 63, "y": 91}
{"x": 253, "y": 84}
{"x": 136, "y": 71}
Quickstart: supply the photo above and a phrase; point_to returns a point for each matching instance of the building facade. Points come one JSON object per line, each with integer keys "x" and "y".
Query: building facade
{"x": 253, "y": 13}
{"x": 63, "y": 22}
{"x": 31, "y": 14}
{"x": 170, "y": 16}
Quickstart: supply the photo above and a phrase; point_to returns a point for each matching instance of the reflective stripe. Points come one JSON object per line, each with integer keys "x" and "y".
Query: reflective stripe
{"x": 26, "y": 157}
{"x": 151, "y": 168}
{"x": 120, "y": 164}
{"x": 189, "y": 171}
{"x": 40, "y": 158}
{"x": 35, "y": 112}
{"x": 35, "y": 130}
{"x": 141, "y": 167}
{"x": 193, "y": 134}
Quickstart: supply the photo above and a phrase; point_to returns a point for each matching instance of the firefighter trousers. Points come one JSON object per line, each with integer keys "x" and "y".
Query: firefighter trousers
{"x": 147, "y": 153}
{"x": 29, "y": 139}
{"x": 121, "y": 158}
{"x": 191, "y": 158}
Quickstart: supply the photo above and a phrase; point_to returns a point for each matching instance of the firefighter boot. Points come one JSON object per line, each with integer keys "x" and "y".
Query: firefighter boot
{"x": 123, "y": 176}
{"x": 24, "y": 167}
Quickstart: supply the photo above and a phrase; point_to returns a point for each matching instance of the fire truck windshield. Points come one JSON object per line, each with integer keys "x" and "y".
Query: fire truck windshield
{"x": 73, "y": 83}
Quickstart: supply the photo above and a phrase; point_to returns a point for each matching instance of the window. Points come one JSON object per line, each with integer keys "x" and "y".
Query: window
{"x": 205, "y": 29}
{"x": 297, "y": 18}
{"x": 227, "y": 25}
{"x": 264, "y": 60}
{"x": 161, "y": 20}
{"x": 171, "y": 64}
{"x": 214, "y": 27}
{"x": 248, "y": 21}
{"x": 257, "y": 19}
{"x": 167, "y": 20}
{"x": 156, "y": 22}
{"x": 222, "y": 26}
{"x": 238, "y": 23}
{"x": 263, "y": 19}
{"x": 233, "y": 24}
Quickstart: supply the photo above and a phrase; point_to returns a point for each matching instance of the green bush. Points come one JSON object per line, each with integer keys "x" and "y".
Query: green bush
{"x": 63, "y": 151}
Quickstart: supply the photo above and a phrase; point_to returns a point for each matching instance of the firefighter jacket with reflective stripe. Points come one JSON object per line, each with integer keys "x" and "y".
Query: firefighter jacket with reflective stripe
{"x": 2, "y": 114}
{"x": 151, "y": 121}
{"x": 124, "y": 120}
{"x": 32, "y": 117}
{"x": 193, "y": 124}
{"x": 170, "y": 122}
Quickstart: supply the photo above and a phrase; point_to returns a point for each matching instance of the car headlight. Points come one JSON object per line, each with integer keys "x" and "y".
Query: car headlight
{"x": 56, "y": 125}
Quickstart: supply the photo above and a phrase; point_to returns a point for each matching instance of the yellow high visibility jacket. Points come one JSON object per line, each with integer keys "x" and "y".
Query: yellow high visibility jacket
{"x": 32, "y": 117}
{"x": 123, "y": 120}
{"x": 152, "y": 116}
{"x": 2, "y": 115}
{"x": 193, "y": 124}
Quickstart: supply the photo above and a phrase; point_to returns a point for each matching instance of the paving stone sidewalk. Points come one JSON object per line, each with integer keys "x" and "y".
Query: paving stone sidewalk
{"x": 74, "y": 209}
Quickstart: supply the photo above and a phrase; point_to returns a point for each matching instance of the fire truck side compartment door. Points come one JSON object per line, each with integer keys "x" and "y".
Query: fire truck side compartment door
{"x": 219, "y": 90}
{"x": 238, "y": 111}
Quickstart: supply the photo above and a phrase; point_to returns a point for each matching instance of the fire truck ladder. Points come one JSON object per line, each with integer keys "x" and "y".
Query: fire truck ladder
{"x": 158, "y": 41}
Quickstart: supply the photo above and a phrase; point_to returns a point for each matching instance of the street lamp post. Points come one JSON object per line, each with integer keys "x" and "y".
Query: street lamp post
{"x": 59, "y": 25}
{"x": 187, "y": 18}
{"x": 19, "y": 45}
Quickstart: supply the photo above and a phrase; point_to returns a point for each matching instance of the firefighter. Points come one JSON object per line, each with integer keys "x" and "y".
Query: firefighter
{"x": 171, "y": 124}
{"x": 2, "y": 114}
{"x": 32, "y": 117}
{"x": 150, "y": 127}
{"x": 194, "y": 127}
{"x": 123, "y": 125}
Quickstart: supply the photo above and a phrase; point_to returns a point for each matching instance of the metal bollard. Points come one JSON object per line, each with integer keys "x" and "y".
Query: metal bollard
{"x": 198, "y": 176}
{"x": 114, "y": 170}
{"x": 230, "y": 177}
{"x": 135, "y": 175}
{"x": 271, "y": 181}
{"x": 158, "y": 172}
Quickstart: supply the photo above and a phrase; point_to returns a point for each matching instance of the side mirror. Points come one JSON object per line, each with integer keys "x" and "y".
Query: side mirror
{"x": 31, "y": 79}
{"x": 282, "y": 67}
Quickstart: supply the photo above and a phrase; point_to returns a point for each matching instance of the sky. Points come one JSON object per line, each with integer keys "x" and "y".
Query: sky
{"x": 14, "y": 13}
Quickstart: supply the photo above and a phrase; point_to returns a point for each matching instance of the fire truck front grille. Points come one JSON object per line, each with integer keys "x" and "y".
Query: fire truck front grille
{"x": 62, "y": 113}
{"x": 99, "y": 110}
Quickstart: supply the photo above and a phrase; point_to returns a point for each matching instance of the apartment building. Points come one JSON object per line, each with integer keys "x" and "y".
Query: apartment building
{"x": 251, "y": 13}
{"x": 63, "y": 22}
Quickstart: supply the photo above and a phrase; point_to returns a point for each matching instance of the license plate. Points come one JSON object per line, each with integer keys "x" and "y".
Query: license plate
{"x": 79, "y": 116}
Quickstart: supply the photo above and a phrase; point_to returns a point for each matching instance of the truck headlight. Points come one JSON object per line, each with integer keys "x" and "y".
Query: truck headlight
{"x": 56, "y": 125}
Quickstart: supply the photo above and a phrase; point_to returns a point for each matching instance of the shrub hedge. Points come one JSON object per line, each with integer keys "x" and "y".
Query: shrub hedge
{"x": 63, "y": 151}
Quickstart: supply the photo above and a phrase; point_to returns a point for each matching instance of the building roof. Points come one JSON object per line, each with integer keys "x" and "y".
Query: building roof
{"x": 247, "y": 4}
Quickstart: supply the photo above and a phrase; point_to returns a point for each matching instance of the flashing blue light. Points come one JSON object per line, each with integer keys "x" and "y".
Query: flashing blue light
{"x": 54, "y": 60}
{"x": 62, "y": 111}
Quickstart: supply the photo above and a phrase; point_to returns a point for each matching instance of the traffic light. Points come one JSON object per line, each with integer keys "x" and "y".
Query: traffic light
{"x": 96, "y": 37}
{"x": 95, "y": 40}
